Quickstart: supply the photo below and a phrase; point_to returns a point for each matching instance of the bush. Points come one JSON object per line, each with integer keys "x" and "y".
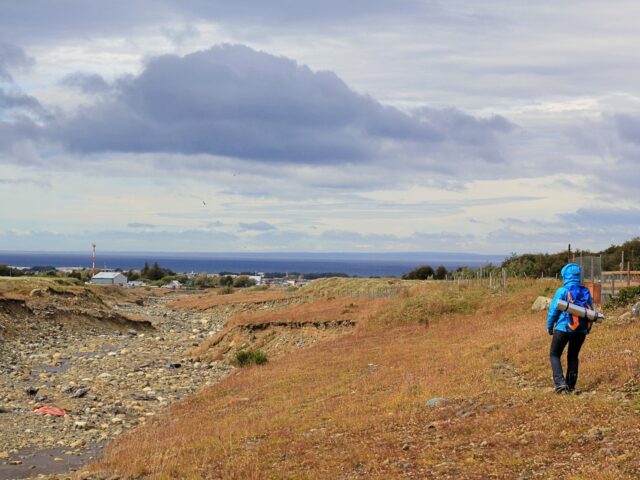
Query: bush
{"x": 243, "y": 281}
{"x": 626, "y": 296}
{"x": 226, "y": 290}
{"x": 245, "y": 358}
{"x": 421, "y": 273}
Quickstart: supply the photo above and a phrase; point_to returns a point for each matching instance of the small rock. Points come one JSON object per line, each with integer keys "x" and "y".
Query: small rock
{"x": 4, "y": 454}
{"x": 31, "y": 391}
{"x": 80, "y": 392}
{"x": 174, "y": 365}
{"x": 436, "y": 402}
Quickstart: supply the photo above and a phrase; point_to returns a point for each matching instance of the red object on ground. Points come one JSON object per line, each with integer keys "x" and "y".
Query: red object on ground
{"x": 51, "y": 411}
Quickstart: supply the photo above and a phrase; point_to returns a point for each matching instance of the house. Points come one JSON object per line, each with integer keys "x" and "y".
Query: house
{"x": 109, "y": 278}
{"x": 175, "y": 284}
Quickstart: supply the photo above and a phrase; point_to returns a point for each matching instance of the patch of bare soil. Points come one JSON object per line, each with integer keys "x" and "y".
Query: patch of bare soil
{"x": 274, "y": 338}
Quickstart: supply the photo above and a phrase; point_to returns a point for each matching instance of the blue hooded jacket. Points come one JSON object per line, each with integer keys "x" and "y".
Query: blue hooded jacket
{"x": 571, "y": 278}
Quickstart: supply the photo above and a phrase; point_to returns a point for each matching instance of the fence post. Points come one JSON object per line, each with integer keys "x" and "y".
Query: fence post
{"x": 613, "y": 286}
{"x": 628, "y": 274}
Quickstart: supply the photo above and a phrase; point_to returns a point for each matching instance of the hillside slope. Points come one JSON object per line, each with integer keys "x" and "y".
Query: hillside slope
{"x": 357, "y": 406}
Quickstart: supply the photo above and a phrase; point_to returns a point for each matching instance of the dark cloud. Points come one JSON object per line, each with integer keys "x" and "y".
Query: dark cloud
{"x": 613, "y": 140}
{"x": 43, "y": 19}
{"x": 604, "y": 217}
{"x": 19, "y": 101}
{"x": 628, "y": 127}
{"x": 87, "y": 82}
{"x": 19, "y": 112}
{"x": 237, "y": 102}
{"x": 256, "y": 226}
{"x": 12, "y": 57}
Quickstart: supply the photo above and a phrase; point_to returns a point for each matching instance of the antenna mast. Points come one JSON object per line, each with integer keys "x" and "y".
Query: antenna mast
{"x": 93, "y": 262}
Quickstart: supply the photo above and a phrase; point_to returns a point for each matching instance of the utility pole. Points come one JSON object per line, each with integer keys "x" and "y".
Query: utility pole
{"x": 93, "y": 260}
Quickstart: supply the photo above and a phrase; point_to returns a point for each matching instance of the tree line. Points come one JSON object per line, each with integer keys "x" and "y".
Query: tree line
{"x": 543, "y": 264}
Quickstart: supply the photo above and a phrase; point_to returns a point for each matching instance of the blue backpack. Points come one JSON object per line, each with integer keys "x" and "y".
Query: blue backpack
{"x": 579, "y": 295}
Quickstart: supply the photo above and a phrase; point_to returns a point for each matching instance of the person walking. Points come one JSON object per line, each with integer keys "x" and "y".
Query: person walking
{"x": 568, "y": 329}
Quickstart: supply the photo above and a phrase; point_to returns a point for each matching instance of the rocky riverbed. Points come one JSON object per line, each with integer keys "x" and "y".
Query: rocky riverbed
{"x": 106, "y": 378}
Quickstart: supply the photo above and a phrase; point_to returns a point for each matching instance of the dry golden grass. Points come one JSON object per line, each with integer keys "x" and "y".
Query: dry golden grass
{"x": 211, "y": 299}
{"x": 354, "y": 407}
{"x": 20, "y": 287}
{"x": 356, "y": 287}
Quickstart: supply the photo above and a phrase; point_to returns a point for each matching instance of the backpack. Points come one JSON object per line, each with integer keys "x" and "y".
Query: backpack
{"x": 579, "y": 295}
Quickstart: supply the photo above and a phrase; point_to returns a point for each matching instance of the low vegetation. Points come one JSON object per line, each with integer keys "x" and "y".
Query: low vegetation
{"x": 625, "y": 296}
{"x": 353, "y": 287}
{"x": 537, "y": 264}
{"x": 355, "y": 406}
{"x": 207, "y": 301}
{"x": 245, "y": 358}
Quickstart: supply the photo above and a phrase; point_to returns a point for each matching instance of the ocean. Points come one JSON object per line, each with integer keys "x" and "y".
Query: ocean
{"x": 352, "y": 264}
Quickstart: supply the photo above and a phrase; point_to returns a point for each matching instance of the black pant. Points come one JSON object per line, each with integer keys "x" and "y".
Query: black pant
{"x": 560, "y": 340}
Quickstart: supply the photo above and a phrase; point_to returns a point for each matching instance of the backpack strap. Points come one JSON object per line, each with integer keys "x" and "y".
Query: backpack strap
{"x": 575, "y": 320}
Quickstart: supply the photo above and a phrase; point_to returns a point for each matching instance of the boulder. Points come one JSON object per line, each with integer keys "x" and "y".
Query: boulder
{"x": 541, "y": 304}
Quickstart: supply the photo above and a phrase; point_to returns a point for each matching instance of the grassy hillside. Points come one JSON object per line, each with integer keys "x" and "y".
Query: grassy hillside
{"x": 355, "y": 406}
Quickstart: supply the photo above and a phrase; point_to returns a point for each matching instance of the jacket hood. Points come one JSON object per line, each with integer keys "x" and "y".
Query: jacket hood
{"x": 570, "y": 273}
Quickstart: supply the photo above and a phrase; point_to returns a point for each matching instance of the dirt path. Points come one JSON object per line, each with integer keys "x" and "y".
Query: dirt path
{"x": 107, "y": 380}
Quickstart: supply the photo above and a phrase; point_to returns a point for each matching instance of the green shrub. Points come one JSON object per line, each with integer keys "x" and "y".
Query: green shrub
{"x": 245, "y": 358}
{"x": 626, "y": 296}
{"x": 243, "y": 281}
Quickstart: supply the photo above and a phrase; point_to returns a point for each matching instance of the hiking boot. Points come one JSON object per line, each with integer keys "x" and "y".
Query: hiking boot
{"x": 562, "y": 389}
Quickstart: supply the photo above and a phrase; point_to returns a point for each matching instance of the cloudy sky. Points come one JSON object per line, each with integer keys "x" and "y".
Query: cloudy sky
{"x": 415, "y": 125}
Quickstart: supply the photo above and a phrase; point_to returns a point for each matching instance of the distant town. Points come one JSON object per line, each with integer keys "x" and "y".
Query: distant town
{"x": 155, "y": 276}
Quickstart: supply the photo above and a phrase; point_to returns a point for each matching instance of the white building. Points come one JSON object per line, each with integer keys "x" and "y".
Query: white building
{"x": 109, "y": 278}
{"x": 175, "y": 284}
